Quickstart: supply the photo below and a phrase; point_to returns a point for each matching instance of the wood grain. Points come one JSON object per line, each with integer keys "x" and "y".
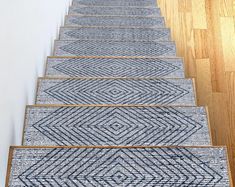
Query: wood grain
{"x": 199, "y": 9}
{"x": 228, "y": 42}
{"x": 204, "y": 32}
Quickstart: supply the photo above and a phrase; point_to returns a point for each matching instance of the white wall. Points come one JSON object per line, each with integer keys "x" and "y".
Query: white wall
{"x": 27, "y": 31}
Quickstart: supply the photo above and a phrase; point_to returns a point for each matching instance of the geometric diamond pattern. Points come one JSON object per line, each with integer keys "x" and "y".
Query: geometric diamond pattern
{"x": 140, "y": 3}
{"x": 118, "y": 10}
{"x": 118, "y": 100}
{"x": 116, "y": 91}
{"x": 90, "y": 125}
{"x": 115, "y": 67}
{"x": 119, "y": 167}
{"x": 114, "y": 48}
{"x": 116, "y": 21}
{"x": 117, "y": 34}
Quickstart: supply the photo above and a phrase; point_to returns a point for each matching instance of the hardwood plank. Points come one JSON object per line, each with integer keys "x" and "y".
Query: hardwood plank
{"x": 201, "y": 44}
{"x": 204, "y": 88}
{"x": 227, "y": 8}
{"x": 185, "y": 6}
{"x": 199, "y": 14}
{"x": 228, "y": 42}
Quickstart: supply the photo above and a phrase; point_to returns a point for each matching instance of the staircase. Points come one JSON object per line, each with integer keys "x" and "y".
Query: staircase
{"x": 115, "y": 109}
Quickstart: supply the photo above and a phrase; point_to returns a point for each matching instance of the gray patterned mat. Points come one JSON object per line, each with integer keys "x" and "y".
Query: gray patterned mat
{"x": 202, "y": 167}
{"x": 92, "y": 125}
{"x": 116, "y": 91}
{"x": 118, "y": 10}
{"x": 118, "y": 34}
{"x": 116, "y": 3}
{"x": 114, "y": 48}
{"x": 116, "y": 21}
{"x": 115, "y": 67}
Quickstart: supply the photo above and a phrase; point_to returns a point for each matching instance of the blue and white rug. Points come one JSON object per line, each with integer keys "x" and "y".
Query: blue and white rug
{"x": 114, "y": 48}
{"x": 115, "y": 67}
{"x": 202, "y": 167}
{"x": 93, "y": 125}
{"x": 115, "y": 21}
{"x": 115, "y": 10}
{"x": 125, "y": 3}
{"x": 114, "y": 33}
{"x": 116, "y": 91}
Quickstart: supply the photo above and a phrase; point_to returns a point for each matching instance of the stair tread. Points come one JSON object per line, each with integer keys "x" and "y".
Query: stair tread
{"x": 115, "y": 67}
{"x": 116, "y": 3}
{"x": 115, "y": 125}
{"x": 115, "y": 10}
{"x": 117, "y": 34}
{"x": 114, "y": 48}
{"x": 115, "y": 91}
{"x": 74, "y": 166}
{"x": 118, "y": 21}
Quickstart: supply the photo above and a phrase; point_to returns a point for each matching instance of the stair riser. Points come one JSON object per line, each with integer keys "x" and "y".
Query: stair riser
{"x": 119, "y": 167}
{"x": 114, "y": 48}
{"x": 125, "y": 3}
{"x": 115, "y": 67}
{"x": 116, "y": 34}
{"x": 122, "y": 11}
{"x": 115, "y": 21}
{"x": 122, "y": 126}
{"x": 116, "y": 91}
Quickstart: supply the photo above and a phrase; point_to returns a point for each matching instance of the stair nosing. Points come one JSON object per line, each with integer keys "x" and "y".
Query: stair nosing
{"x": 112, "y": 105}
{"x": 172, "y": 41}
{"x": 81, "y": 6}
{"x": 122, "y": 16}
{"x": 120, "y": 27}
{"x": 125, "y": 78}
{"x": 123, "y": 147}
{"x": 115, "y": 40}
{"x": 118, "y": 57}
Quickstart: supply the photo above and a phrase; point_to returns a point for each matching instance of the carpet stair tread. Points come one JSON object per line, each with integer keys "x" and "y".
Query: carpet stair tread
{"x": 115, "y": 21}
{"x": 115, "y": 91}
{"x": 115, "y": 10}
{"x": 115, "y": 67}
{"x": 108, "y": 48}
{"x": 115, "y": 125}
{"x": 130, "y": 3}
{"x": 102, "y": 166}
{"x": 114, "y": 33}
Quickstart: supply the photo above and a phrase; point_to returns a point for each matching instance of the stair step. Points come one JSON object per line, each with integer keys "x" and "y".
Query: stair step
{"x": 138, "y": 3}
{"x": 115, "y": 21}
{"x": 116, "y": 34}
{"x": 115, "y": 10}
{"x": 115, "y": 91}
{"x": 114, "y": 67}
{"x": 109, "y": 48}
{"x": 115, "y": 125}
{"x": 102, "y": 166}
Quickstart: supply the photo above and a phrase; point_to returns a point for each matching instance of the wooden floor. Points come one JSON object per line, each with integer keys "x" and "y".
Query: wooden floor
{"x": 204, "y": 31}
